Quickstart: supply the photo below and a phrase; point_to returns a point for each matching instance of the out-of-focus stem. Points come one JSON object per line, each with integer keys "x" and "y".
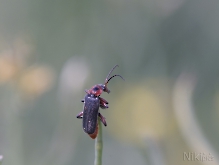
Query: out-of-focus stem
{"x": 1, "y": 158}
{"x": 186, "y": 118}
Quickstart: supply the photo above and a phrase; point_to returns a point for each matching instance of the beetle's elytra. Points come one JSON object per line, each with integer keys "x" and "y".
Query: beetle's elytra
{"x": 92, "y": 101}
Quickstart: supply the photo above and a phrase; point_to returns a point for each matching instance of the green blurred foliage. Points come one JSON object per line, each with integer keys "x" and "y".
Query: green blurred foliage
{"x": 51, "y": 51}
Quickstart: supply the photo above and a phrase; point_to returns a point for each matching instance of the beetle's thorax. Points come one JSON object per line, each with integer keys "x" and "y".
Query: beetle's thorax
{"x": 96, "y": 90}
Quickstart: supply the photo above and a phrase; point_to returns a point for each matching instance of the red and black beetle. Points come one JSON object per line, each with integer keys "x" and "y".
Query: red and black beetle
{"x": 92, "y": 101}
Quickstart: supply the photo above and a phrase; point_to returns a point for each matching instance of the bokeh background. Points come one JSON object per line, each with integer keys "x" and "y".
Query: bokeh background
{"x": 168, "y": 105}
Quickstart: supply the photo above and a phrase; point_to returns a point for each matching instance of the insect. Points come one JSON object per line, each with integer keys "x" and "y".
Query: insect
{"x": 92, "y": 101}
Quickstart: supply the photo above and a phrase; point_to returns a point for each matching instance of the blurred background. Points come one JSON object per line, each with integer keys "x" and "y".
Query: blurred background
{"x": 164, "y": 113}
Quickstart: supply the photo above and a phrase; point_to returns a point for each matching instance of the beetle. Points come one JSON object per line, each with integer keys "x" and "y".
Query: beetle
{"x": 92, "y": 101}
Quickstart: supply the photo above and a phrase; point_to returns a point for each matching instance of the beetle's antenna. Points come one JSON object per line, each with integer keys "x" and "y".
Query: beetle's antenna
{"x": 110, "y": 73}
{"x": 114, "y": 76}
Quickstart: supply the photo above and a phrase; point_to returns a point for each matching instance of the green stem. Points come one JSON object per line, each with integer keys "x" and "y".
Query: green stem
{"x": 98, "y": 146}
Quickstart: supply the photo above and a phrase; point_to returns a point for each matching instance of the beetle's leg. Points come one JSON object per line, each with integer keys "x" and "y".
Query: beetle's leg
{"x": 80, "y": 115}
{"x": 82, "y": 100}
{"x": 103, "y": 103}
{"x": 103, "y": 100}
{"x": 103, "y": 106}
{"x": 102, "y": 119}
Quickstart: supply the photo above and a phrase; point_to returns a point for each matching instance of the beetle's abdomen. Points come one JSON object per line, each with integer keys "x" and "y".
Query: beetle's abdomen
{"x": 94, "y": 135}
{"x": 90, "y": 113}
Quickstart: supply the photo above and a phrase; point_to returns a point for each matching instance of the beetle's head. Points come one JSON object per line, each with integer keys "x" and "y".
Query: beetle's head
{"x": 98, "y": 89}
{"x": 104, "y": 88}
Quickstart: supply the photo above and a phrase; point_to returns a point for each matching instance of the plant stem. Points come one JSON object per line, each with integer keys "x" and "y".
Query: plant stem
{"x": 98, "y": 146}
{"x": 1, "y": 158}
